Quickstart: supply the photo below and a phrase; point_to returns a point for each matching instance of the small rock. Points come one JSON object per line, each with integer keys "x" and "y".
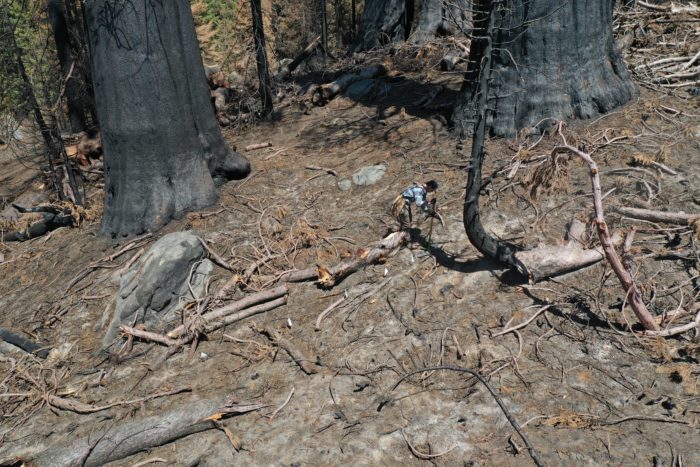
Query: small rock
{"x": 369, "y": 175}
{"x": 344, "y": 184}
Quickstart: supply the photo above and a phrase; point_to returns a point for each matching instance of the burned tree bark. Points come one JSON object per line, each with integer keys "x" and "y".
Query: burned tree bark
{"x": 76, "y": 109}
{"x": 549, "y": 61}
{"x": 441, "y": 18}
{"x": 384, "y": 22}
{"x": 163, "y": 148}
{"x": 482, "y": 241}
{"x": 261, "y": 58}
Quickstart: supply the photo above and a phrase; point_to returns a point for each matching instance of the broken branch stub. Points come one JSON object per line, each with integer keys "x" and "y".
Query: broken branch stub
{"x": 553, "y": 260}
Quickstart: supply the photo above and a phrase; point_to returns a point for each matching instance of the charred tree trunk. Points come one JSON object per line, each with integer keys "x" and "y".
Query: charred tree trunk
{"x": 441, "y": 18}
{"x": 482, "y": 241}
{"x": 548, "y": 62}
{"x": 324, "y": 28}
{"x": 76, "y": 110}
{"x": 261, "y": 57}
{"x": 384, "y": 22}
{"x": 353, "y": 20}
{"x": 163, "y": 149}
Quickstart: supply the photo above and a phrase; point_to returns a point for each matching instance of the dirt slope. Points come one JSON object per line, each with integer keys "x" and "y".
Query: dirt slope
{"x": 587, "y": 391}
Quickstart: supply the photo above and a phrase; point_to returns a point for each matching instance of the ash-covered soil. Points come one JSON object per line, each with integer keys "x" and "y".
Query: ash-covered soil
{"x": 585, "y": 389}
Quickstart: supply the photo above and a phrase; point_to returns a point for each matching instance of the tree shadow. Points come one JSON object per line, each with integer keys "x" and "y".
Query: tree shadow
{"x": 509, "y": 277}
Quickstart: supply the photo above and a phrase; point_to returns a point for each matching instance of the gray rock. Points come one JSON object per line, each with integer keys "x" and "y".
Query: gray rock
{"x": 369, "y": 175}
{"x": 345, "y": 184}
{"x": 150, "y": 290}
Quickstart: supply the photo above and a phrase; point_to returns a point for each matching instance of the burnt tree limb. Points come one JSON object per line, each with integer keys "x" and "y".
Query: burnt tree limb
{"x": 287, "y": 70}
{"x": 482, "y": 241}
{"x": 116, "y": 442}
{"x": 53, "y": 218}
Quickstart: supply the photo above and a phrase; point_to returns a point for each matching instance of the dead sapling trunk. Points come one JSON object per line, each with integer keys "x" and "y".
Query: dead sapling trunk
{"x": 261, "y": 58}
{"x": 482, "y": 241}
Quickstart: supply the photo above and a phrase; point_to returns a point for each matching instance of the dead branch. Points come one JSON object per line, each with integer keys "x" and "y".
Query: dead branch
{"x": 299, "y": 358}
{"x": 214, "y": 255}
{"x": 679, "y": 218}
{"x": 105, "y": 445}
{"x": 631, "y": 290}
{"x": 329, "y": 277}
{"x": 285, "y": 71}
{"x": 253, "y": 147}
{"x": 211, "y": 325}
{"x": 82, "y": 408}
{"x": 514, "y": 423}
{"x": 221, "y": 313}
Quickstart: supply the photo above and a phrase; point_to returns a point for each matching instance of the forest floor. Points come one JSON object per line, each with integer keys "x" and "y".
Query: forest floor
{"x": 586, "y": 390}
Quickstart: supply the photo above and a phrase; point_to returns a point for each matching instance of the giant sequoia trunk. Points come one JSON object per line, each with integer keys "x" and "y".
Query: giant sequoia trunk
{"x": 384, "y": 22}
{"x": 441, "y": 18}
{"x": 550, "y": 60}
{"x": 163, "y": 148}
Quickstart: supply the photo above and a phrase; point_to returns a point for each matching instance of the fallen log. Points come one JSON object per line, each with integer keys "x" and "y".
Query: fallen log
{"x": 553, "y": 260}
{"x": 120, "y": 441}
{"x": 680, "y": 218}
{"x": 360, "y": 258}
{"x": 328, "y": 91}
{"x": 223, "y": 314}
{"x": 287, "y": 70}
{"x": 53, "y": 218}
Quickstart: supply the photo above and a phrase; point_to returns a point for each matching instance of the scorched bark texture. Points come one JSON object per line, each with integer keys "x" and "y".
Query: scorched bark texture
{"x": 550, "y": 60}
{"x": 163, "y": 148}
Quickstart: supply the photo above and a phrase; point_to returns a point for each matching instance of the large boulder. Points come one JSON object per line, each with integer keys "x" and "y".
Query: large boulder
{"x": 150, "y": 291}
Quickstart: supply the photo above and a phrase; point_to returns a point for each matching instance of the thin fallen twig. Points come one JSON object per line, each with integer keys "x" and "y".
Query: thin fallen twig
{"x": 522, "y": 325}
{"x": 284, "y": 404}
{"x": 299, "y": 358}
{"x": 421, "y": 455}
{"x": 329, "y": 309}
{"x": 214, "y": 255}
{"x": 253, "y": 147}
{"x": 514, "y": 423}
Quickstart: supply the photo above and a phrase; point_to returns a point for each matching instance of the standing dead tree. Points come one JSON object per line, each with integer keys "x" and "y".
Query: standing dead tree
{"x": 261, "y": 58}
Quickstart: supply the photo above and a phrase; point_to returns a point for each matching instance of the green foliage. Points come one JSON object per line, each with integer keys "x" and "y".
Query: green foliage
{"x": 217, "y": 12}
{"x": 24, "y": 31}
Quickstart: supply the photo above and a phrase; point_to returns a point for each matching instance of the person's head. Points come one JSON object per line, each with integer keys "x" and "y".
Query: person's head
{"x": 431, "y": 186}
